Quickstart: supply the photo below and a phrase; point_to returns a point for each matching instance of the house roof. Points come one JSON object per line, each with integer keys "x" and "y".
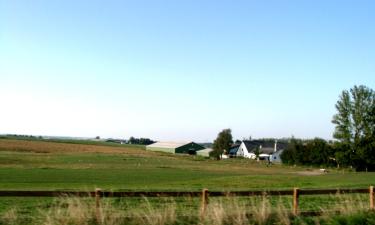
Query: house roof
{"x": 267, "y": 146}
{"x": 233, "y": 149}
{"x": 234, "y": 146}
{"x": 171, "y": 145}
{"x": 252, "y": 145}
{"x": 267, "y": 150}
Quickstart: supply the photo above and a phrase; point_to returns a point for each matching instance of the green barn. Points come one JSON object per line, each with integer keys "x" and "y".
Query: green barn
{"x": 190, "y": 148}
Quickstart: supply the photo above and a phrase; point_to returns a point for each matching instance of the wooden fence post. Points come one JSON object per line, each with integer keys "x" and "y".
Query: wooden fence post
{"x": 204, "y": 202}
{"x": 372, "y": 197}
{"x": 98, "y": 195}
{"x": 295, "y": 201}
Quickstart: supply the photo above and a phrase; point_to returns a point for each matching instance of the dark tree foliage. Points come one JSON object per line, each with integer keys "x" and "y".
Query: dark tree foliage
{"x": 140, "y": 141}
{"x": 289, "y": 156}
{"x": 316, "y": 152}
{"x": 257, "y": 152}
{"x": 223, "y": 142}
{"x": 321, "y": 153}
{"x": 364, "y": 157}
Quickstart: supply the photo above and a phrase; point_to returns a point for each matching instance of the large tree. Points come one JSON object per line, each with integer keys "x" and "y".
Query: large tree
{"x": 223, "y": 142}
{"x": 355, "y": 127}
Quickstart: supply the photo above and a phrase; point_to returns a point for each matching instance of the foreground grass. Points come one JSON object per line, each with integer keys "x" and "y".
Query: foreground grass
{"x": 346, "y": 210}
{"x": 32, "y": 206}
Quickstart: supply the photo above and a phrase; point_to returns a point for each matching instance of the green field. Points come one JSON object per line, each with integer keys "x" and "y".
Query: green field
{"x": 34, "y": 165}
{"x": 40, "y": 165}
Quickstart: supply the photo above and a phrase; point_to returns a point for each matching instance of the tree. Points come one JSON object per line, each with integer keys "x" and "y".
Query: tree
{"x": 223, "y": 142}
{"x": 355, "y": 126}
{"x": 257, "y": 153}
{"x": 316, "y": 152}
{"x": 342, "y": 119}
{"x": 321, "y": 153}
{"x": 289, "y": 155}
{"x": 131, "y": 140}
{"x": 140, "y": 141}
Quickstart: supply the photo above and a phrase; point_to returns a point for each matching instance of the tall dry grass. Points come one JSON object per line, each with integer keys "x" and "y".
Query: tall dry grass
{"x": 10, "y": 217}
{"x": 220, "y": 211}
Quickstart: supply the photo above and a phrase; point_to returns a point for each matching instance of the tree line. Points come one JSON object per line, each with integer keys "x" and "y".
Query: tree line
{"x": 140, "y": 141}
{"x": 316, "y": 152}
{"x": 354, "y": 135}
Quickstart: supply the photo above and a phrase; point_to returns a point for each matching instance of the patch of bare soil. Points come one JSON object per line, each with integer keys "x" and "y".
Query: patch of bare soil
{"x": 311, "y": 172}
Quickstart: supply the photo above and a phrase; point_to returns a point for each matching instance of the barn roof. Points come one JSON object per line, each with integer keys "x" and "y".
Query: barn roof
{"x": 172, "y": 145}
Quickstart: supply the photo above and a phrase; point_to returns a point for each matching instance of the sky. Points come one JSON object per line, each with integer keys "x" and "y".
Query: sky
{"x": 181, "y": 69}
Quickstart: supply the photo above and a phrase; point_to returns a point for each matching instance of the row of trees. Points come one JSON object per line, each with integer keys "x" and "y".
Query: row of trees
{"x": 140, "y": 141}
{"x": 354, "y": 133}
{"x": 316, "y": 152}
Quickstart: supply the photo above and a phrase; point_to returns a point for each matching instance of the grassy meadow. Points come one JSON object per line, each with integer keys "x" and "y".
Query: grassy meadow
{"x": 39, "y": 165}
{"x": 47, "y": 165}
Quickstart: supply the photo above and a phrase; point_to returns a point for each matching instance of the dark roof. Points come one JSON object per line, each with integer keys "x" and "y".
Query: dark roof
{"x": 234, "y": 146}
{"x": 233, "y": 150}
{"x": 267, "y": 146}
{"x": 281, "y": 145}
{"x": 252, "y": 145}
{"x": 266, "y": 150}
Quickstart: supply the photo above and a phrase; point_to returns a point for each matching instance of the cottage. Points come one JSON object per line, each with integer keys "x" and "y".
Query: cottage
{"x": 190, "y": 148}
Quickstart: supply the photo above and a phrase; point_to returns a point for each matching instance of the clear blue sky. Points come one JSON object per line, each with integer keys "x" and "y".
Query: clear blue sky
{"x": 181, "y": 69}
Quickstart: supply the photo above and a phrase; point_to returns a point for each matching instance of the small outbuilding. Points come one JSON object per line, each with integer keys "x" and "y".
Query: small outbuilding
{"x": 190, "y": 148}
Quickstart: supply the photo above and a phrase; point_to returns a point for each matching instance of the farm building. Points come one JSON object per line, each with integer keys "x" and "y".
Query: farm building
{"x": 176, "y": 147}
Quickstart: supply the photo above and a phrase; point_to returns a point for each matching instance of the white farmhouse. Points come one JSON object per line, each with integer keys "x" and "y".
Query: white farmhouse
{"x": 268, "y": 150}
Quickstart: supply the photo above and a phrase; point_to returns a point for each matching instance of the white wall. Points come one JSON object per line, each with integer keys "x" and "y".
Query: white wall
{"x": 243, "y": 151}
{"x": 276, "y": 157}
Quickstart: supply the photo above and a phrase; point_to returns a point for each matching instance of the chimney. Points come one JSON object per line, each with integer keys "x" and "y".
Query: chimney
{"x": 275, "y": 148}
